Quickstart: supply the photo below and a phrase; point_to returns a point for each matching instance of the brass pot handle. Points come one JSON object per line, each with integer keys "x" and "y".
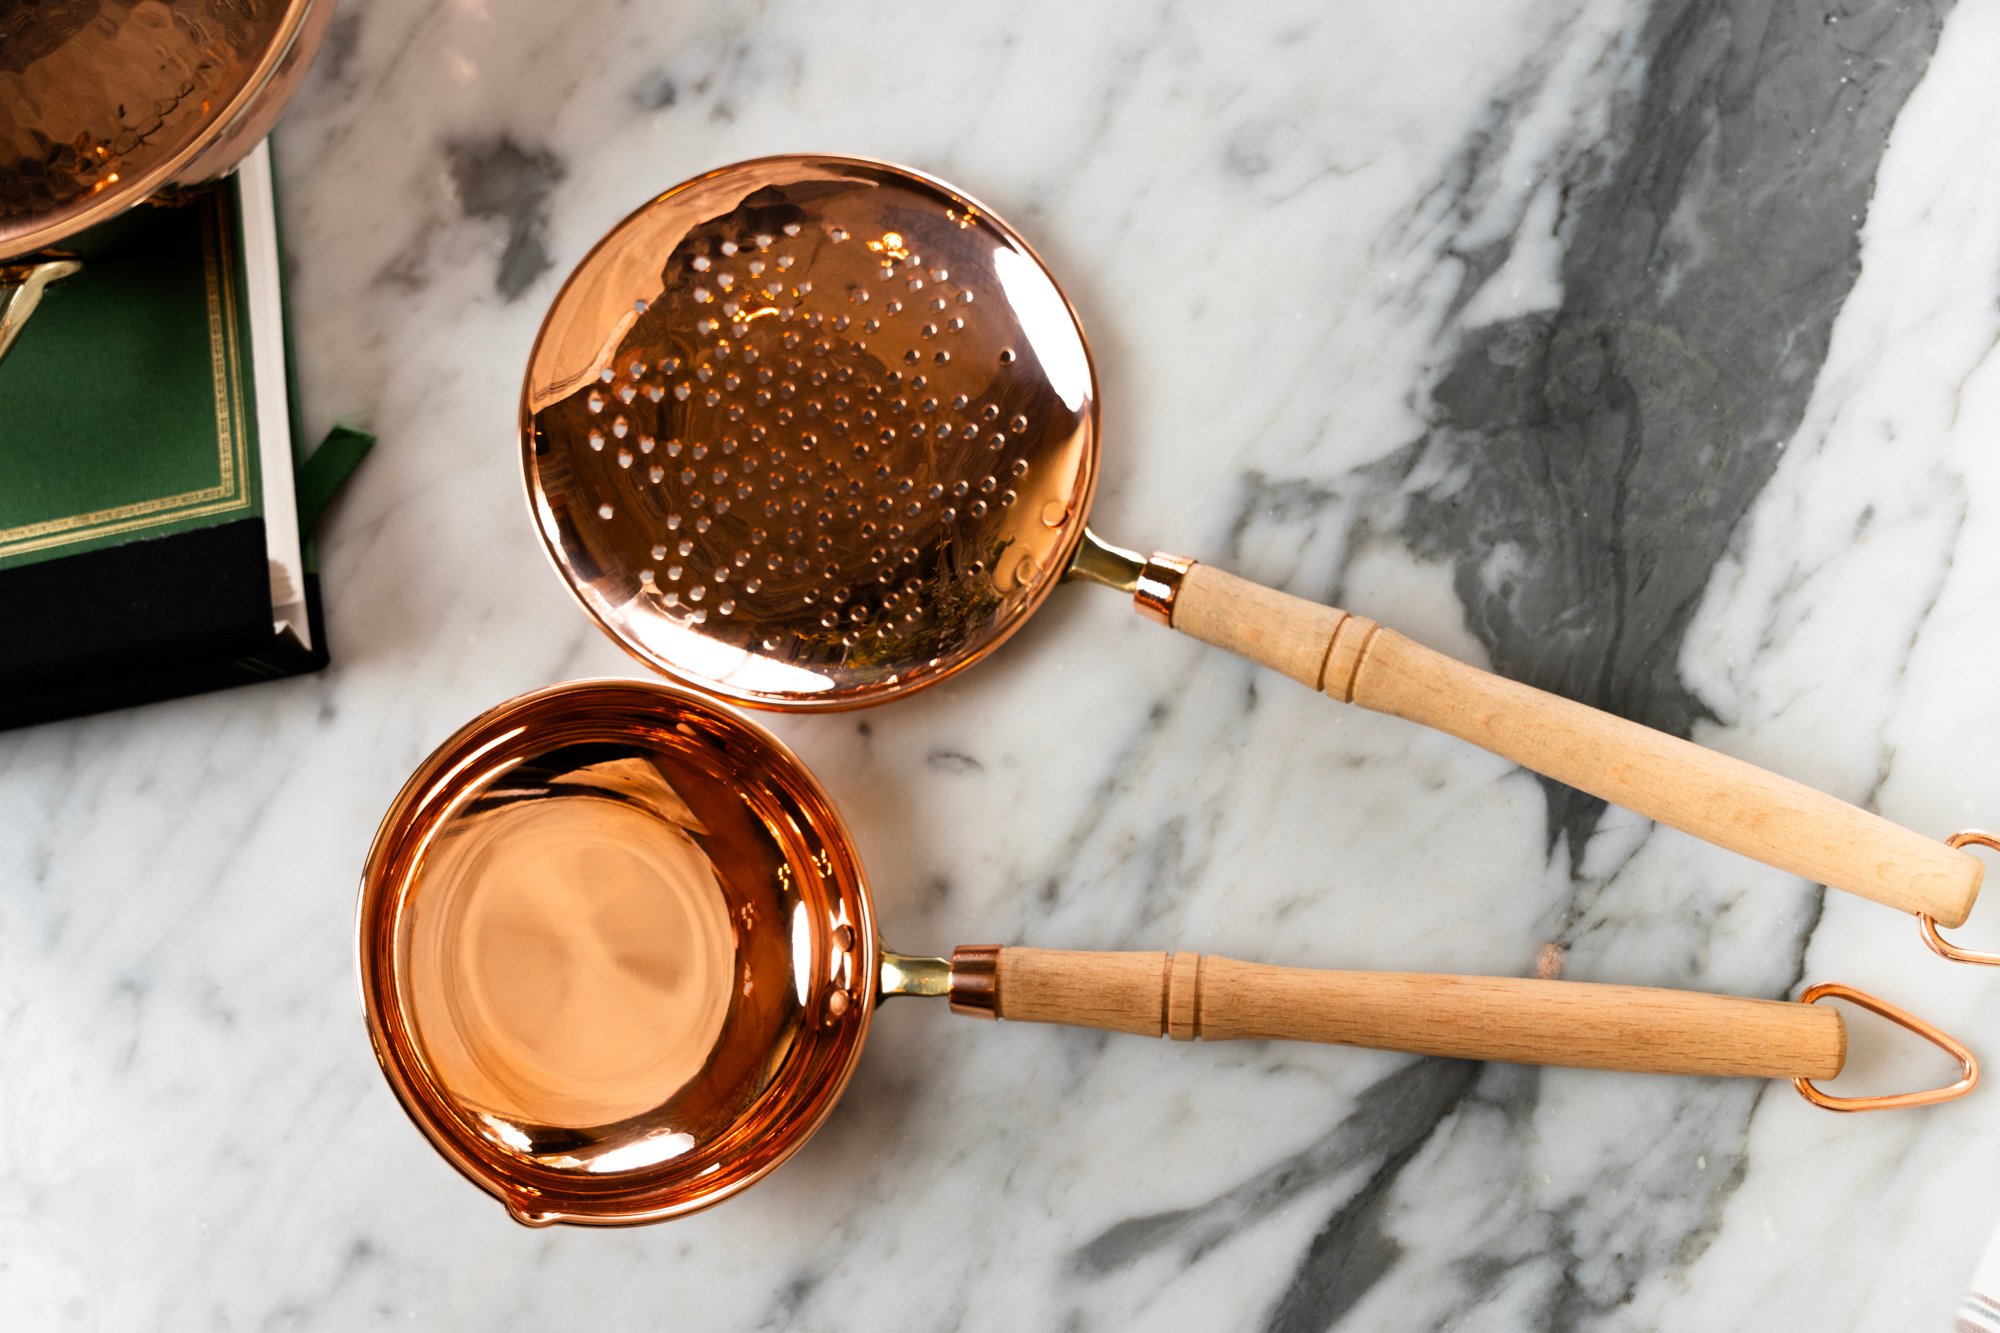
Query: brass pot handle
{"x": 21, "y": 288}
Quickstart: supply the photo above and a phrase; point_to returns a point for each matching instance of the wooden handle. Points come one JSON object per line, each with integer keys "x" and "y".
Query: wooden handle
{"x": 1519, "y": 1020}
{"x": 1726, "y": 801}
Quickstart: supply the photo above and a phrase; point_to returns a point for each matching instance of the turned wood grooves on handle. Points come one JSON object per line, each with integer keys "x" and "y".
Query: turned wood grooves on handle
{"x": 1518, "y": 1020}
{"x": 1699, "y": 791}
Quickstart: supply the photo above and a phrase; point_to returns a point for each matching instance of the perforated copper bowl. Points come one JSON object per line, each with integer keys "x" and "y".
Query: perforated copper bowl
{"x": 809, "y": 432}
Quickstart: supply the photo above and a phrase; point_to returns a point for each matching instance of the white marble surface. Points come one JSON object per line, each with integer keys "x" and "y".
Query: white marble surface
{"x": 1267, "y": 217}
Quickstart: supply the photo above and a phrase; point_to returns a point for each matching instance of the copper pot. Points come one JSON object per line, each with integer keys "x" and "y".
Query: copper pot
{"x": 104, "y": 103}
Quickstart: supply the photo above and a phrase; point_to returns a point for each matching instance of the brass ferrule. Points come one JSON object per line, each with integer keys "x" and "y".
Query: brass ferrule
{"x": 1098, "y": 561}
{"x": 1159, "y": 583}
{"x": 975, "y": 980}
{"x": 912, "y": 974}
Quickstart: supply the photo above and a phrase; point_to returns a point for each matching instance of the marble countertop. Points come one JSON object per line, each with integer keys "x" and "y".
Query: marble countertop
{"x": 1644, "y": 351}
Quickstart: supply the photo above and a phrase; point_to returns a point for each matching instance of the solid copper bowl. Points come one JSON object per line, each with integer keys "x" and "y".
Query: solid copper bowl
{"x": 616, "y": 953}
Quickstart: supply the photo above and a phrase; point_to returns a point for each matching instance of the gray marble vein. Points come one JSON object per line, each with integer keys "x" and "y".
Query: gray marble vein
{"x": 1601, "y": 454}
{"x": 501, "y": 181}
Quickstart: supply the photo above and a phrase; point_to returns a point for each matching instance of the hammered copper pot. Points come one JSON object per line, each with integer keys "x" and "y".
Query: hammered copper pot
{"x": 104, "y": 103}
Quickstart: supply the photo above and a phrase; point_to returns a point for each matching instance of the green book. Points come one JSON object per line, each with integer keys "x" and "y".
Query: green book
{"x": 149, "y": 529}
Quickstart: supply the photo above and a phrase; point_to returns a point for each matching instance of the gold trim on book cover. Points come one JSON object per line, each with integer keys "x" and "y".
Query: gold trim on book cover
{"x": 232, "y": 490}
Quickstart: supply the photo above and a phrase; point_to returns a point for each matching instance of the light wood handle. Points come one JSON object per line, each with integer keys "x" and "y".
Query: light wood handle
{"x": 1723, "y": 800}
{"x": 1582, "y": 1025}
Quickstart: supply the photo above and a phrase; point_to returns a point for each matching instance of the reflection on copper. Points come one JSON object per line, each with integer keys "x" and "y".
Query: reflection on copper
{"x": 547, "y": 933}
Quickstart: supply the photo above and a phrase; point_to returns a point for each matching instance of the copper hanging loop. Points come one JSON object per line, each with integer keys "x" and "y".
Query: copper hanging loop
{"x": 1968, "y": 1065}
{"x": 1928, "y": 926}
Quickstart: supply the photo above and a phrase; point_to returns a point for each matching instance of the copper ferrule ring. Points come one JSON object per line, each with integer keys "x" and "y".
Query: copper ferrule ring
{"x": 975, "y": 980}
{"x": 1159, "y": 584}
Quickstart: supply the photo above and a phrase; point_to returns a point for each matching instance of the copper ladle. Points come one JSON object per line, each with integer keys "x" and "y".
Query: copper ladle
{"x": 618, "y": 957}
{"x": 104, "y": 105}
{"x": 814, "y": 432}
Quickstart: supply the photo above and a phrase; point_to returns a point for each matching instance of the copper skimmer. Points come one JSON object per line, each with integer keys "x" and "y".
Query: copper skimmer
{"x": 104, "y": 105}
{"x": 618, "y": 956}
{"x": 815, "y": 432}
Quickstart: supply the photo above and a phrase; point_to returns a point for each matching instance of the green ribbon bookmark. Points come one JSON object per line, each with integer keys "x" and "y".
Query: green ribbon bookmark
{"x": 321, "y": 476}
